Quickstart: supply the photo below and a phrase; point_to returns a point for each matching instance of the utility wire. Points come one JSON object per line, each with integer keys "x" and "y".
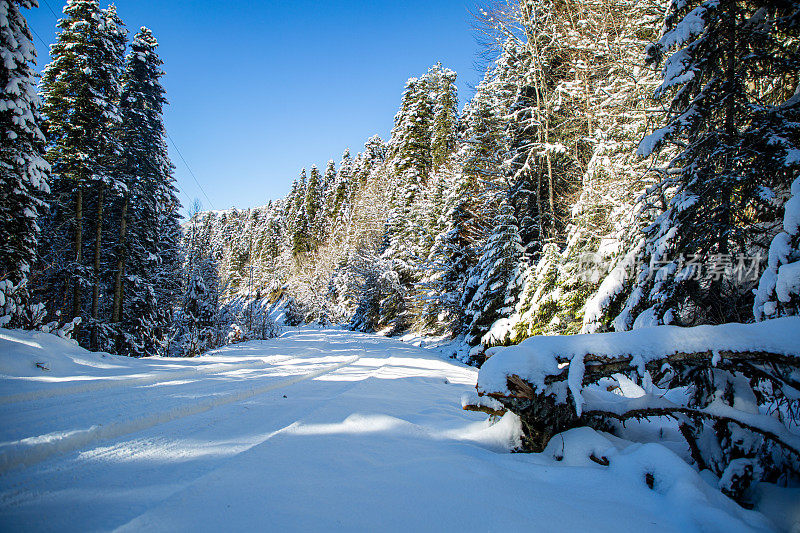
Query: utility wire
{"x": 37, "y": 36}
{"x": 51, "y": 9}
{"x": 210, "y": 203}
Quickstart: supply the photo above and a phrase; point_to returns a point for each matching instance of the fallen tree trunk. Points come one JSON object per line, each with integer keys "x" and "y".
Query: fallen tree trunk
{"x": 549, "y": 409}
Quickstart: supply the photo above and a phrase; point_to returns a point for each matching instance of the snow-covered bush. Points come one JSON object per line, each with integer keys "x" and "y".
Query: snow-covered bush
{"x": 730, "y": 393}
{"x": 249, "y": 319}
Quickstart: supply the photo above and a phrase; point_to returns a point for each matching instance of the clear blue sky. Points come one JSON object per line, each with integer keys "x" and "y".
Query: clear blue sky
{"x": 260, "y": 89}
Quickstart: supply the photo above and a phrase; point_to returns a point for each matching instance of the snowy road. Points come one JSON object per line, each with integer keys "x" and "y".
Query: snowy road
{"x": 317, "y": 430}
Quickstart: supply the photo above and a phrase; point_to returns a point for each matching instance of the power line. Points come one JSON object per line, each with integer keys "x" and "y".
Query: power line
{"x": 210, "y": 203}
{"x": 51, "y": 9}
{"x": 40, "y": 39}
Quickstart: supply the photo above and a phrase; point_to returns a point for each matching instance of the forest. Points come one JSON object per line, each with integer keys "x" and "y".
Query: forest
{"x": 621, "y": 166}
{"x": 621, "y": 169}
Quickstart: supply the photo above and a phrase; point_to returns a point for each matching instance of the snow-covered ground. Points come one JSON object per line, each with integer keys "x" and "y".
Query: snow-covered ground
{"x": 319, "y": 429}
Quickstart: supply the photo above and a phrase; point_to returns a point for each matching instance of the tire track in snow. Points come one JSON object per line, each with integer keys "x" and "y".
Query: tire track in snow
{"x": 102, "y": 384}
{"x": 92, "y": 462}
{"x": 32, "y": 450}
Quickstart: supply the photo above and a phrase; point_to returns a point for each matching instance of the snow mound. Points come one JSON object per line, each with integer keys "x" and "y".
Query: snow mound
{"x": 36, "y": 354}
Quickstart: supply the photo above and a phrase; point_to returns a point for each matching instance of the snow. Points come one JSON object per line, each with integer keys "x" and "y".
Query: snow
{"x": 788, "y": 281}
{"x": 781, "y": 278}
{"x": 692, "y": 25}
{"x": 791, "y": 216}
{"x": 538, "y": 357}
{"x": 611, "y": 286}
{"x": 318, "y": 429}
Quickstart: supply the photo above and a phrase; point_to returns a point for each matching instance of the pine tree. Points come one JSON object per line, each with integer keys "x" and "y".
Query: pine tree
{"x": 411, "y": 136}
{"x": 482, "y": 142}
{"x": 23, "y": 171}
{"x": 313, "y": 207}
{"x": 451, "y": 260}
{"x": 113, "y": 38}
{"x": 445, "y": 115}
{"x": 197, "y": 328}
{"x": 300, "y": 239}
{"x": 328, "y": 181}
{"x": 341, "y": 191}
{"x": 81, "y": 93}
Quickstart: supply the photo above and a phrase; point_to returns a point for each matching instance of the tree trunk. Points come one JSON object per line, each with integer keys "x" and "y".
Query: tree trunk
{"x": 96, "y": 285}
{"x": 78, "y": 243}
{"x": 116, "y": 315}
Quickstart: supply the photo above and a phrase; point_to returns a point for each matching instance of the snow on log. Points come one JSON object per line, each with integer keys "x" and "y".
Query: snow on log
{"x": 539, "y": 361}
{"x": 483, "y": 404}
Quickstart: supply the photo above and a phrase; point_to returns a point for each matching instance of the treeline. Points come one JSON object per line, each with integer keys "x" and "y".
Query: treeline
{"x": 620, "y": 165}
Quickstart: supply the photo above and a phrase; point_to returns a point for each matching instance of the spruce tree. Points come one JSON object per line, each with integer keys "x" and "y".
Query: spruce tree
{"x": 482, "y": 143}
{"x": 328, "y": 180}
{"x": 445, "y": 114}
{"x": 300, "y": 238}
{"x": 451, "y": 259}
{"x": 410, "y": 145}
{"x": 341, "y": 190}
{"x": 778, "y": 292}
{"x": 147, "y": 270}
{"x": 23, "y": 171}
{"x": 313, "y": 207}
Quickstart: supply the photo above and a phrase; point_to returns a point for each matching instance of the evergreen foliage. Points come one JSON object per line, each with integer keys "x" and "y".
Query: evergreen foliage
{"x": 778, "y": 292}
{"x": 112, "y": 259}
{"x": 728, "y": 73}
{"x": 492, "y": 289}
{"x": 23, "y": 171}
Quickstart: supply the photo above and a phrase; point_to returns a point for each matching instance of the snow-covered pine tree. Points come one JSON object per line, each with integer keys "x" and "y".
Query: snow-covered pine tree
{"x": 411, "y": 163}
{"x": 375, "y": 153}
{"x": 482, "y": 143}
{"x": 730, "y": 80}
{"x": 299, "y": 220}
{"x": 81, "y": 94}
{"x": 410, "y": 145}
{"x": 197, "y": 326}
{"x": 147, "y": 273}
{"x": 451, "y": 259}
{"x": 198, "y": 318}
{"x": 778, "y": 292}
{"x": 23, "y": 170}
{"x": 113, "y": 38}
{"x": 289, "y": 203}
{"x": 328, "y": 180}
{"x": 341, "y": 190}
{"x": 493, "y": 286}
